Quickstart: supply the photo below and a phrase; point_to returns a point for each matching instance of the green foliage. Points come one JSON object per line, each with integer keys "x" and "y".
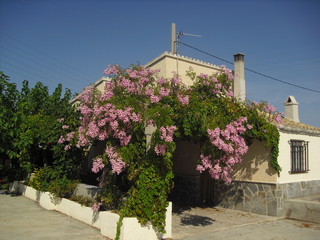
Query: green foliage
{"x": 83, "y": 201}
{"x": 8, "y": 123}
{"x": 41, "y": 178}
{"x": 46, "y": 180}
{"x": 148, "y": 198}
{"x": 62, "y": 187}
{"x": 30, "y": 130}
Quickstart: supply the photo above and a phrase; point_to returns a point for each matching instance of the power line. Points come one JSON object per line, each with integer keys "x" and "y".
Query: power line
{"x": 24, "y": 74}
{"x": 250, "y": 70}
{"x": 55, "y": 59}
{"x": 30, "y": 67}
{"x": 42, "y": 63}
{"x": 209, "y": 54}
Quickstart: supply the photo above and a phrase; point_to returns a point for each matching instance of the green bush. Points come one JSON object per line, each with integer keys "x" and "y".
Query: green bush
{"x": 41, "y": 178}
{"x": 83, "y": 201}
{"x": 63, "y": 188}
{"x": 46, "y": 180}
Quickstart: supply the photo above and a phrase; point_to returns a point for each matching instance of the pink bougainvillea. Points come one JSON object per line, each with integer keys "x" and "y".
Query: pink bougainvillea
{"x": 160, "y": 149}
{"x": 233, "y": 146}
{"x": 103, "y": 119}
{"x": 97, "y": 165}
{"x": 167, "y": 133}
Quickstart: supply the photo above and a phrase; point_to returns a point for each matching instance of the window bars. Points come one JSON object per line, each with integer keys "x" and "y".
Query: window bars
{"x": 299, "y": 156}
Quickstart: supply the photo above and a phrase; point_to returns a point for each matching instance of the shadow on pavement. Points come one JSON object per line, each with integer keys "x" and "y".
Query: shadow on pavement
{"x": 196, "y": 220}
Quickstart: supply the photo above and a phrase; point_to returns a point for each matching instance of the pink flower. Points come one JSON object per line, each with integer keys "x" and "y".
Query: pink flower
{"x": 65, "y": 127}
{"x": 176, "y": 81}
{"x": 97, "y": 165}
{"x": 93, "y": 130}
{"x": 183, "y": 100}
{"x": 154, "y": 98}
{"x": 68, "y": 147}
{"x": 115, "y": 159}
{"x": 278, "y": 119}
{"x": 96, "y": 207}
{"x": 167, "y": 133}
{"x": 61, "y": 139}
{"x": 70, "y": 136}
{"x": 202, "y": 75}
{"x": 60, "y": 120}
{"x": 200, "y": 168}
{"x": 269, "y": 108}
{"x": 161, "y": 80}
{"x": 124, "y": 141}
{"x": 103, "y": 135}
{"x": 135, "y": 117}
{"x": 111, "y": 69}
{"x": 117, "y": 165}
{"x": 114, "y": 125}
{"x": 160, "y": 149}
{"x": 164, "y": 92}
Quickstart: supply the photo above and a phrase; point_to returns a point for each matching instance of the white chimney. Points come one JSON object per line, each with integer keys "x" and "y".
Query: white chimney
{"x": 239, "y": 83}
{"x": 291, "y": 109}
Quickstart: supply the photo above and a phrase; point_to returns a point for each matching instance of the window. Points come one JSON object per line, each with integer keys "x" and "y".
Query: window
{"x": 299, "y": 156}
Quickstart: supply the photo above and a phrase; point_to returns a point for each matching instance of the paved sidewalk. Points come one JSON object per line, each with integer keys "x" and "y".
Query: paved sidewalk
{"x": 225, "y": 224}
{"x": 23, "y": 219}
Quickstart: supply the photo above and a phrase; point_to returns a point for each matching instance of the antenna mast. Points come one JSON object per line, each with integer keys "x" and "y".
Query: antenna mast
{"x": 176, "y": 37}
{"x": 173, "y": 39}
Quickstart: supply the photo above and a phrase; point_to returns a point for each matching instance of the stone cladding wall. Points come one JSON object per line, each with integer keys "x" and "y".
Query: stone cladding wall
{"x": 261, "y": 198}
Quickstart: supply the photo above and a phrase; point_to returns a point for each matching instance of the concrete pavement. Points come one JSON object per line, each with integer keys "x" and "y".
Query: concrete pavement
{"x": 220, "y": 223}
{"x": 23, "y": 219}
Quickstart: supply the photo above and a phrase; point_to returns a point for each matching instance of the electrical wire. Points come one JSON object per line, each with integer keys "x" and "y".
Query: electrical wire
{"x": 55, "y": 59}
{"x": 250, "y": 70}
{"x": 38, "y": 62}
{"x": 30, "y": 67}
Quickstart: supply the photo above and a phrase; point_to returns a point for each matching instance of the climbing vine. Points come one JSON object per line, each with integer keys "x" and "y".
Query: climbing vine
{"x": 135, "y": 175}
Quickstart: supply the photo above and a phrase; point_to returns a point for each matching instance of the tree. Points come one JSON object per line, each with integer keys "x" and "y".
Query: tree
{"x": 8, "y": 119}
{"x": 31, "y": 124}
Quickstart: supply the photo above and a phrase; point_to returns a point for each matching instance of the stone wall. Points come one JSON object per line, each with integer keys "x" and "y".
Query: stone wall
{"x": 261, "y": 198}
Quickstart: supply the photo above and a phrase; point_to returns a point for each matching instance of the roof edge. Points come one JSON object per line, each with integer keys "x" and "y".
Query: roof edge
{"x": 181, "y": 58}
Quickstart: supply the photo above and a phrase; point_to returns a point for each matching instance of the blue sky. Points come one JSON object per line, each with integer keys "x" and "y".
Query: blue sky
{"x": 71, "y": 42}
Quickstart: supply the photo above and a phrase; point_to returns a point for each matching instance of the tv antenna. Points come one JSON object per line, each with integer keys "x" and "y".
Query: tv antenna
{"x": 175, "y": 38}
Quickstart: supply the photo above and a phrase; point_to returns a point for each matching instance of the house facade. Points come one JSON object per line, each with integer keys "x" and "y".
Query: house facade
{"x": 256, "y": 186}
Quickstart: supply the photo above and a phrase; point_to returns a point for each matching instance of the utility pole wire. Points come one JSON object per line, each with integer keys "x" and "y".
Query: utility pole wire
{"x": 250, "y": 70}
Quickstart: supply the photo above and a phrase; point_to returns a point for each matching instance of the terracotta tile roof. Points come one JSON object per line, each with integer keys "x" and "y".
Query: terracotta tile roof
{"x": 291, "y": 126}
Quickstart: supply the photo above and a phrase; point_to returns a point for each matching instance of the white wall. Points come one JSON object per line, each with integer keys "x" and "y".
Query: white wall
{"x": 284, "y": 158}
{"x": 256, "y": 166}
{"x": 168, "y": 63}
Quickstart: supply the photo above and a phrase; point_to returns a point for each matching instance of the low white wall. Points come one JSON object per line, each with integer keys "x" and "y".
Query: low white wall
{"x": 106, "y": 221}
{"x": 284, "y": 158}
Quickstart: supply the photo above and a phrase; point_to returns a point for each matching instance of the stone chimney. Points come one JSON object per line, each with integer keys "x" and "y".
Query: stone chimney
{"x": 291, "y": 109}
{"x": 239, "y": 84}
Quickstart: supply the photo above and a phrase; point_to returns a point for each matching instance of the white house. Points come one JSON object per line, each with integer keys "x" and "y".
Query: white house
{"x": 256, "y": 187}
